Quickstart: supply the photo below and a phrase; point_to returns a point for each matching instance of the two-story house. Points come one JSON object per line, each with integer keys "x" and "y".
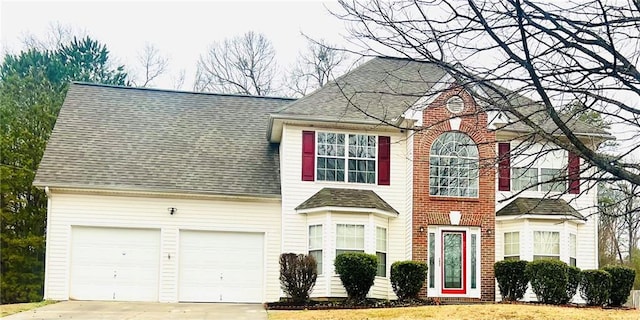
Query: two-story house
{"x": 169, "y": 196}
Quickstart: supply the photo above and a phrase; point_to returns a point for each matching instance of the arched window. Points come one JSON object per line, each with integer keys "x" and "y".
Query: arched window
{"x": 453, "y": 166}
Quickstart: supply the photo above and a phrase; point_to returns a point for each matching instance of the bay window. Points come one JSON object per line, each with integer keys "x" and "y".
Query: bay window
{"x": 315, "y": 245}
{"x": 546, "y": 245}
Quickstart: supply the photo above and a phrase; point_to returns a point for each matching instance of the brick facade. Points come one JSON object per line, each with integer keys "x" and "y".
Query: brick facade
{"x": 434, "y": 210}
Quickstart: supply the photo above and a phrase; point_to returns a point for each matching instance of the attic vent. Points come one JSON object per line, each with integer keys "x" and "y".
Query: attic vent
{"x": 455, "y": 104}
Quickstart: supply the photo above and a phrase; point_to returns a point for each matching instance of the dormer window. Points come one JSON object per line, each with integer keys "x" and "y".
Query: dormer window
{"x": 455, "y": 104}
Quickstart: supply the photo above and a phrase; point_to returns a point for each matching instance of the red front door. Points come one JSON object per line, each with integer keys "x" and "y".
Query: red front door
{"x": 454, "y": 264}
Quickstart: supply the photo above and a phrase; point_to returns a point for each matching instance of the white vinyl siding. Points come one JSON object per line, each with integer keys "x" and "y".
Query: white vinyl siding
{"x": 150, "y": 212}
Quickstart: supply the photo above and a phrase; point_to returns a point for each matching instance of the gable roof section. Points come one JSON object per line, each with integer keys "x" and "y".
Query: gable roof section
{"x": 537, "y": 206}
{"x": 380, "y": 89}
{"x": 383, "y": 88}
{"x": 123, "y": 138}
{"x": 346, "y": 198}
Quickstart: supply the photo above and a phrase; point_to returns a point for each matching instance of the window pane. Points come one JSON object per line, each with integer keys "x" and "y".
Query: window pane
{"x": 547, "y": 174}
{"x": 350, "y": 237}
{"x": 432, "y": 260}
{"x": 546, "y": 243}
{"x": 524, "y": 178}
{"x": 381, "y": 239}
{"x": 474, "y": 261}
{"x": 382, "y": 264}
{"x": 317, "y": 254}
{"x": 315, "y": 237}
{"x": 452, "y": 166}
{"x": 511, "y": 244}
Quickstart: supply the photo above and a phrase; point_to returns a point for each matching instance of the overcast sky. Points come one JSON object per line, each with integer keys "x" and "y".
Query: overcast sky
{"x": 181, "y": 30}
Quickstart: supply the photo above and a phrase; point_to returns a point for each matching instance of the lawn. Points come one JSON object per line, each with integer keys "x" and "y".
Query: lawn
{"x": 470, "y": 312}
{"x": 7, "y": 309}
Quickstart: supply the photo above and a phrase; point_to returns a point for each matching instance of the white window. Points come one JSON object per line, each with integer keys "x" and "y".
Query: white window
{"x": 381, "y": 251}
{"x": 512, "y": 245}
{"x": 524, "y": 178}
{"x": 349, "y": 238}
{"x": 572, "y": 250}
{"x": 529, "y": 179}
{"x": 315, "y": 245}
{"x": 453, "y": 166}
{"x": 546, "y": 245}
{"x": 357, "y": 151}
{"x": 548, "y": 174}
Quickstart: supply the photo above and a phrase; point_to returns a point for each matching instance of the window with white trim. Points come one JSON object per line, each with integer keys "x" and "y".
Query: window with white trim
{"x": 528, "y": 179}
{"x": 349, "y": 238}
{"x": 356, "y": 151}
{"x": 546, "y": 245}
{"x": 512, "y": 245}
{"x": 453, "y": 166}
{"x": 381, "y": 251}
{"x": 572, "y": 250}
{"x": 315, "y": 245}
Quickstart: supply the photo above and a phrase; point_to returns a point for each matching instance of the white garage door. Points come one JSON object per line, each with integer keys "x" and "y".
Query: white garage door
{"x": 221, "y": 266}
{"x": 114, "y": 264}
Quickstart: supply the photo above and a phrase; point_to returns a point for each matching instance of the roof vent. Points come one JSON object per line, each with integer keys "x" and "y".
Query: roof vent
{"x": 455, "y": 104}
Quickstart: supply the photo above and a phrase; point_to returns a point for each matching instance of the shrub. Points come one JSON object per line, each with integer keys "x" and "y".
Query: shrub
{"x": 357, "y": 272}
{"x": 573, "y": 279}
{"x": 511, "y": 277}
{"x": 595, "y": 286}
{"x": 298, "y": 274}
{"x": 548, "y": 280}
{"x": 407, "y": 278}
{"x": 621, "y": 283}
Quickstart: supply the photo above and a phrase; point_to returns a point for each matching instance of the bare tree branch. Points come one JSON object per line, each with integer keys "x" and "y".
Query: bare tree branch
{"x": 153, "y": 65}
{"x": 241, "y": 65}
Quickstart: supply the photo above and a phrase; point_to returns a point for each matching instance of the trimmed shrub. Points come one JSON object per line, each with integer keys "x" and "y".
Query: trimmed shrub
{"x": 298, "y": 274}
{"x": 511, "y": 277}
{"x": 573, "y": 279}
{"x": 595, "y": 286}
{"x": 357, "y": 272}
{"x": 548, "y": 280}
{"x": 407, "y": 278}
{"x": 621, "y": 283}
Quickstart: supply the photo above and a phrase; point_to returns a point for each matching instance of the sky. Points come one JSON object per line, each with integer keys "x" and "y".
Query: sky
{"x": 182, "y": 31}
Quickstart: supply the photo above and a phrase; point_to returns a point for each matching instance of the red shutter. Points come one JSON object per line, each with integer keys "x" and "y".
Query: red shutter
{"x": 574, "y": 173}
{"x": 384, "y": 161}
{"x": 504, "y": 166}
{"x": 308, "y": 155}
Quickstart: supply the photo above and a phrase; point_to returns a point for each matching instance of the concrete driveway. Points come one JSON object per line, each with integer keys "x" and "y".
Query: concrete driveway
{"x": 106, "y": 310}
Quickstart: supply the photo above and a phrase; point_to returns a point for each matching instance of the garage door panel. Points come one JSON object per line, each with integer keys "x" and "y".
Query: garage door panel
{"x": 114, "y": 264}
{"x": 221, "y": 266}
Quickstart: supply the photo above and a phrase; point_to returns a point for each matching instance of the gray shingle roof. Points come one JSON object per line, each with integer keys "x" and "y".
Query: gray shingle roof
{"x": 348, "y": 198}
{"x": 537, "y": 206}
{"x": 145, "y": 139}
{"x": 381, "y": 88}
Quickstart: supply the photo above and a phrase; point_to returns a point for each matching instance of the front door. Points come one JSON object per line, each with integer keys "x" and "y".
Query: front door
{"x": 454, "y": 267}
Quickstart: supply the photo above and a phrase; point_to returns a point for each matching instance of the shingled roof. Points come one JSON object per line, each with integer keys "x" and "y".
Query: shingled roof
{"x": 538, "y": 206}
{"x": 383, "y": 88}
{"x": 156, "y": 140}
{"x": 346, "y": 198}
{"x": 379, "y": 89}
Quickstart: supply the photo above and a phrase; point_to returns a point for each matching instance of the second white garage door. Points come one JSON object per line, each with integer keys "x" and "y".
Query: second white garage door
{"x": 221, "y": 266}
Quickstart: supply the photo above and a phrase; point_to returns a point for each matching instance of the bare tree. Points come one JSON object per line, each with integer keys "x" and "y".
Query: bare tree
{"x": 619, "y": 229}
{"x": 153, "y": 65}
{"x": 178, "y": 80}
{"x": 241, "y": 65}
{"x": 553, "y": 54}
{"x": 55, "y": 35}
{"x": 314, "y": 67}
